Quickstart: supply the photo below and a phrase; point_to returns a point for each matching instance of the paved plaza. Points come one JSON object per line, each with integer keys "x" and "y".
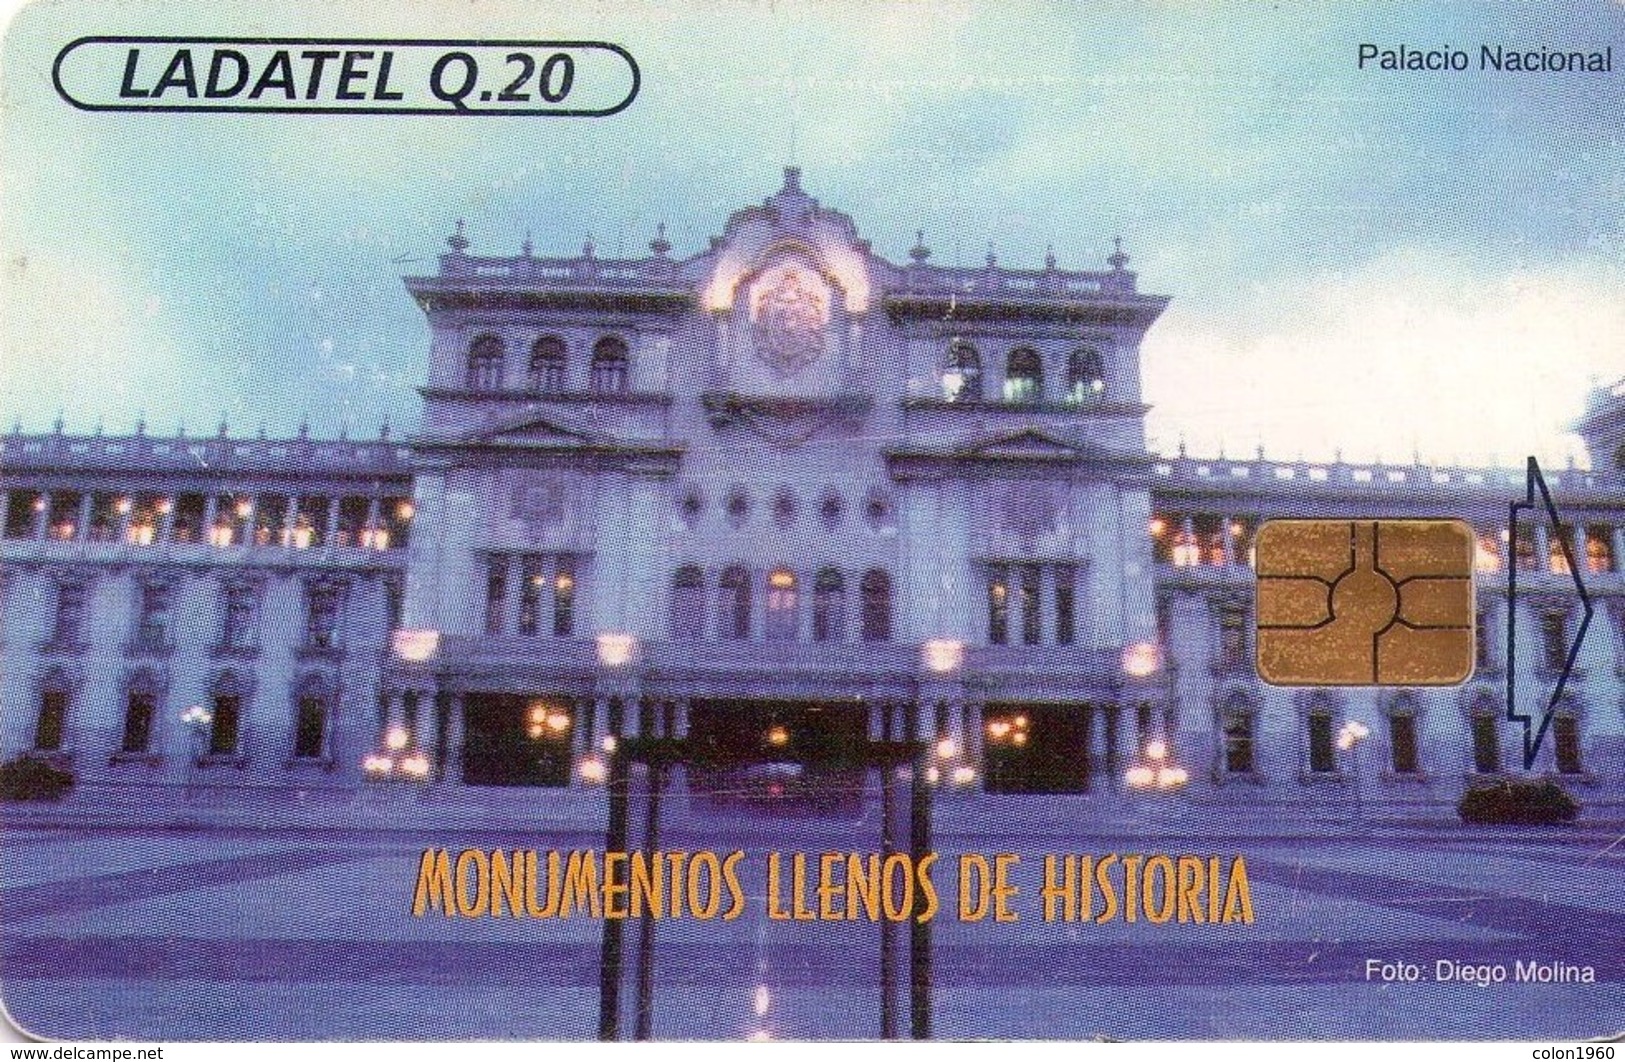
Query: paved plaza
{"x": 215, "y": 934}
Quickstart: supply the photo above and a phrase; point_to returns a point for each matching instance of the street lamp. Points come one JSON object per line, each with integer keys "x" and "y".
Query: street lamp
{"x": 1348, "y": 740}
{"x": 1157, "y": 771}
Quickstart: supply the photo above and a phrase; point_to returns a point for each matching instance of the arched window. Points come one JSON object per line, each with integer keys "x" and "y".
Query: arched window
{"x": 1566, "y": 740}
{"x": 1085, "y": 376}
{"x": 485, "y": 364}
{"x": 547, "y": 366}
{"x": 140, "y": 711}
{"x": 734, "y": 603}
{"x": 1238, "y": 737}
{"x": 311, "y": 708}
{"x": 962, "y": 375}
{"x": 226, "y": 724}
{"x": 688, "y": 604}
{"x": 783, "y": 603}
{"x": 1321, "y": 722}
{"x": 610, "y": 366}
{"x": 829, "y": 606}
{"x": 876, "y": 591}
{"x": 1024, "y": 376}
{"x": 50, "y": 725}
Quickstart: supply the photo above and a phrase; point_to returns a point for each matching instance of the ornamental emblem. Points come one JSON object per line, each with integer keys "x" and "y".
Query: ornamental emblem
{"x": 788, "y": 327}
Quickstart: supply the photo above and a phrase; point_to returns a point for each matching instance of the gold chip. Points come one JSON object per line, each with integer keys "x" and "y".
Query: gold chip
{"x": 1365, "y": 602}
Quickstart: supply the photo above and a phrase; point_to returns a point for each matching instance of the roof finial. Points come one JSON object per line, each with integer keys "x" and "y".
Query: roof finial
{"x": 1181, "y": 446}
{"x": 919, "y": 252}
{"x": 222, "y": 425}
{"x": 792, "y": 179}
{"x": 260, "y": 434}
{"x": 457, "y": 241}
{"x": 1118, "y": 259}
{"x": 61, "y": 422}
{"x": 383, "y": 429}
{"x": 17, "y": 426}
{"x": 140, "y": 424}
{"x": 1049, "y": 258}
{"x": 98, "y": 424}
{"x": 1261, "y": 449}
{"x": 525, "y": 248}
{"x": 587, "y": 248}
{"x": 992, "y": 259}
{"x": 660, "y": 245}
{"x": 304, "y": 426}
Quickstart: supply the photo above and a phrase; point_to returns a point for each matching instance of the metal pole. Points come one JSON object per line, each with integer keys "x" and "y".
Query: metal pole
{"x": 919, "y": 937}
{"x": 888, "y": 928}
{"x": 609, "y": 962}
{"x": 646, "y": 925}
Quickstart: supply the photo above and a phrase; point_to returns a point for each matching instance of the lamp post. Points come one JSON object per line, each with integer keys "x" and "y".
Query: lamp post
{"x": 1348, "y": 740}
{"x": 1157, "y": 771}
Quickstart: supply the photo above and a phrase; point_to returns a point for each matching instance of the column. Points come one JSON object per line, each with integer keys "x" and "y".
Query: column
{"x": 125, "y": 507}
{"x": 42, "y": 516}
{"x": 394, "y": 714}
{"x": 290, "y": 521}
{"x": 600, "y": 724}
{"x": 82, "y": 532}
{"x": 166, "y": 518}
{"x": 1618, "y": 546}
{"x": 956, "y": 727}
{"x": 629, "y": 717}
{"x": 512, "y": 603}
{"x": 330, "y": 533}
{"x": 1542, "y": 549}
{"x": 211, "y": 510}
{"x": 1088, "y": 746}
{"x": 973, "y": 738}
{"x": 925, "y": 715}
{"x": 1113, "y": 714}
{"x": 1228, "y": 539}
{"x": 877, "y": 722}
{"x": 900, "y": 730}
{"x": 452, "y": 767}
{"x": 428, "y": 723}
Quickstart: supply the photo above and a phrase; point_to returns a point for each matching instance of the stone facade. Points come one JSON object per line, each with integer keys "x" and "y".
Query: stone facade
{"x": 781, "y": 497}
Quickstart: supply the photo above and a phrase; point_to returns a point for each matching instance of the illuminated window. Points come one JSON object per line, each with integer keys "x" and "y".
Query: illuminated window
{"x": 1523, "y": 549}
{"x": 396, "y": 516}
{"x": 998, "y": 604}
{"x": 1242, "y": 531}
{"x": 1024, "y": 376}
{"x": 781, "y": 605}
{"x": 1209, "y": 531}
{"x": 532, "y": 585}
{"x": 485, "y": 364}
{"x": 188, "y": 518}
{"x": 1031, "y": 627}
{"x": 962, "y": 374}
{"x": 1558, "y": 543}
{"x": 1085, "y": 376}
{"x": 104, "y": 517}
{"x": 1402, "y": 741}
{"x": 610, "y": 366}
{"x": 1599, "y": 548}
{"x": 496, "y": 592}
{"x": 688, "y": 604}
{"x": 875, "y": 590}
{"x": 564, "y": 595}
{"x": 1066, "y": 578}
{"x": 1487, "y": 554}
{"x": 22, "y": 513}
{"x": 1566, "y": 743}
{"x": 310, "y": 525}
{"x": 352, "y": 522}
{"x": 270, "y": 519}
{"x": 829, "y": 606}
{"x": 1233, "y": 641}
{"x": 145, "y": 519}
{"x": 548, "y": 366}
{"x": 64, "y": 519}
{"x": 1186, "y": 551}
{"x": 734, "y": 603}
{"x": 1162, "y": 527}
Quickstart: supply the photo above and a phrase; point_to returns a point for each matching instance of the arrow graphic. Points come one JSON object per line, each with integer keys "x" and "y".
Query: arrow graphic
{"x": 1532, "y": 735}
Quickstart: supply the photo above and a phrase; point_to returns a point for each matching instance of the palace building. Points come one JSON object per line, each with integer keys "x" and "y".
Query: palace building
{"x": 782, "y": 497}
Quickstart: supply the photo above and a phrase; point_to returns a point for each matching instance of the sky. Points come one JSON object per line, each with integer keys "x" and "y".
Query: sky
{"x": 1377, "y": 264}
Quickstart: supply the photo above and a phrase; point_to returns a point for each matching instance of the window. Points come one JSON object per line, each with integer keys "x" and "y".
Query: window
{"x": 1242, "y": 532}
{"x": 270, "y": 519}
{"x": 322, "y": 601}
{"x": 1402, "y": 742}
{"x": 1209, "y": 532}
{"x": 496, "y": 592}
{"x": 1186, "y": 551}
{"x": 22, "y": 509}
{"x": 830, "y": 511}
{"x": 231, "y": 516}
{"x": 485, "y": 364}
{"x": 1085, "y": 376}
{"x": 875, "y": 590}
{"x": 1233, "y": 647}
{"x": 1024, "y": 376}
{"x": 734, "y": 603}
{"x": 962, "y": 374}
{"x": 1322, "y": 751}
{"x": 1066, "y": 578}
{"x": 153, "y": 623}
{"x": 1484, "y": 638}
{"x": 998, "y": 604}
{"x": 69, "y": 627}
{"x": 140, "y": 708}
{"x": 1599, "y": 548}
{"x": 564, "y": 596}
{"x": 146, "y": 513}
{"x": 189, "y": 516}
{"x": 610, "y": 366}
{"x": 63, "y": 524}
{"x": 829, "y": 606}
{"x": 1554, "y": 639}
{"x": 1487, "y": 554}
{"x": 1238, "y": 740}
{"x": 1161, "y": 528}
{"x": 1558, "y": 542}
{"x": 396, "y": 516}
{"x": 1486, "y": 743}
{"x": 1032, "y": 631}
{"x": 785, "y": 509}
{"x": 104, "y": 518}
{"x": 738, "y": 508}
{"x": 547, "y": 366}
{"x": 241, "y": 609}
{"x": 781, "y": 606}
{"x": 352, "y": 522}
{"x": 688, "y": 604}
{"x": 310, "y": 719}
{"x": 224, "y": 727}
{"x": 1523, "y": 549}
{"x": 1566, "y": 743}
{"x": 51, "y": 723}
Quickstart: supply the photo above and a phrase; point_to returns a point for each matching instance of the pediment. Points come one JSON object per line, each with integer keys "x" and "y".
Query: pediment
{"x": 1029, "y": 442}
{"x": 534, "y": 431}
